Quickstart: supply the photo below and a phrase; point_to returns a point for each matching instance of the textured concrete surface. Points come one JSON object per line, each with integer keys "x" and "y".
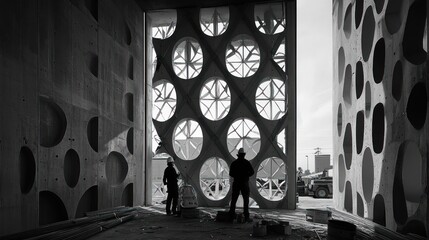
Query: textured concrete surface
{"x": 381, "y": 112}
{"x": 72, "y": 109}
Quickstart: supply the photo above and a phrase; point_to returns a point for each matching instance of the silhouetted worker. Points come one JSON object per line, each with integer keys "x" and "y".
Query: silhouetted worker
{"x": 170, "y": 179}
{"x": 240, "y": 170}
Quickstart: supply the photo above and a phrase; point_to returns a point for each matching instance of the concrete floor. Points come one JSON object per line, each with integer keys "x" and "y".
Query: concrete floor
{"x": 152, "y": 223}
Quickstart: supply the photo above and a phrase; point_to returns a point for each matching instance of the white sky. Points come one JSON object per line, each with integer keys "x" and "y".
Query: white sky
{"x": 314, "y": 79}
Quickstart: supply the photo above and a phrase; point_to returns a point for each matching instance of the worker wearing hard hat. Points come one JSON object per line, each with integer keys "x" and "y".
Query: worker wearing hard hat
{"x": 240, "y": 170}
{"x": 170, "y": 179}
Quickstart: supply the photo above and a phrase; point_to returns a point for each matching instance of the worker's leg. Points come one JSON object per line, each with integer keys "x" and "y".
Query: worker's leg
{"x": 234, "y": 197}
{"x": 245, "y": 191}
{"x": 167, "y": 206}
{"x": 175, "y": 198}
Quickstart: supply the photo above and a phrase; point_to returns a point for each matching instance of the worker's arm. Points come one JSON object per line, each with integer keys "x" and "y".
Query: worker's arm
{"x": 251, "y": 171}
{"x": 164, "y": 178}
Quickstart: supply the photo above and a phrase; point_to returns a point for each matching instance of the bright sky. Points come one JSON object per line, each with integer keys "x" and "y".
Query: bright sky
{"x": 314, "y": 66}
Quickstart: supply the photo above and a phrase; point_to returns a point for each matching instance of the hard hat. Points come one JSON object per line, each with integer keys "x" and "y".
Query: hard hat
{"x": 170, "y": 160}
{"x": 241, "y": 151}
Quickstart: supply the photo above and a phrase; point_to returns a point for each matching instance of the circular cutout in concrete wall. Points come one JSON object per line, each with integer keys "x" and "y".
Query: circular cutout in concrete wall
{"x": 340, "y": 119}
{"x": 379, "y": 61}
{"x": 367, "y": 174}
{"x": 128, "y": 195}
{"x": 348, "y": 146}
{"x": 400, "y": 212}
{"x": 358, "y": 12}
{"x": 130, "y": 68}
{"x": 341, "y": 63}
{"x": 130, "y": 140}
{"x": 417, "y": 106}
{"x": 360, "y": 128}
{"x": 91, "y": 60}
{"x": 187, "y": 139}
{"x": 378, "y": 127}
{"x": 397, "y": 81}
{"x": 92, "y": 133}
{"x": 359, "y": 79}
{"x": 379, "y": 4}
{"x": 347, "y": 27}
{"x": 394, "y": 15}
{"x": 71, "y": 168}
{"x": 360, "y": 209}
{"x": 51, "y": 208}
{"x": 53, "y": 123}
{"x": 127, "y": 34}
{"x": 379, "y": 210}
{"x": 412, "y": 171}
{"x": 129, "y": 106}
{"x": 341, "y": 173}
{"x": 367, "y": 37}
{"x": 347, "y": 90}
{"x": 27, "y": 169}
{"x": 340, "y": 13}
{"x": 88, "y": 202}
{"x": 412, "y": 43}
{"x": 367, "y": 99}
{"x": 116, "y": 168}
{"x": 348, "y": 198}
{"x": 92, "y": 6}
{"x": 416, "y": 227}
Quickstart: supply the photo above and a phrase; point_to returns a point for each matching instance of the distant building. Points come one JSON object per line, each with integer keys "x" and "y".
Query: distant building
{"x": 322, "y": 162}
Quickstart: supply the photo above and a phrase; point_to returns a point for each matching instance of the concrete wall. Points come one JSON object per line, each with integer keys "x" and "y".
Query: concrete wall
{"x": 381, "y": 111}
{"x": 71, "y": 116}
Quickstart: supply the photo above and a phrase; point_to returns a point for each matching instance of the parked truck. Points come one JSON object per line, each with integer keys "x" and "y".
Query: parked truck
{"x": 320, "y": 187}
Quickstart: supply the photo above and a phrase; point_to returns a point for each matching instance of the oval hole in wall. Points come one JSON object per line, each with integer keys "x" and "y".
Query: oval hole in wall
{"x": 116, "y": 168}
{"x": 88, "y": 202}
{"x": 53, "y": 123}
{"x": 360, "y": 129}
{"x": 378, "y": 128}
{"x": 360, "y": 209}
{"x": 127, "y": 196}
{"x": 417, "y": 106}
{"x": 412, "y": 43}
{"x": 348, "y": 198}
{"x": 341, "y": 173}
{"x": 92, "y": 133}
{"x": 367, "y": 37}
{"x": 379, "y": 210}
{"x": 379, "y": 61}
{"x": 130, "y": 140}
{"x": 348, "y": 146}
{"x": 71, "y": 168}
{"x": 27, "y": 167}
{"x": 367, "y": 174}
{"x": 51, "y": 208}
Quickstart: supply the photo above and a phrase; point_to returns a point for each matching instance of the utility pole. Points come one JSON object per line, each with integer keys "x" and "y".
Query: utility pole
{"x": 307, "y": 161}
{"x": 318, "y": 150}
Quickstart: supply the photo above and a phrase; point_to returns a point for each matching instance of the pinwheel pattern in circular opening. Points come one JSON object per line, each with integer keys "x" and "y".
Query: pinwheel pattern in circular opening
{"x": 214, "y": 178}
{"x": 187, "y": 59}
{"x": 244, "y": 133}
{"x": 188, "y": 139}
{"x": 271, "y": 179}
{"x": 271, "y": 99}
{"x": 164, "y": 101}
{"x": 215, "y": 99}
{"x": 242, "y": 56}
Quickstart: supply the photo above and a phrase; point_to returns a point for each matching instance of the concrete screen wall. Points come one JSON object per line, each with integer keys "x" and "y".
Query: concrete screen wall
{"x": 72, "y": 109}
{"x": 381, "y": 112}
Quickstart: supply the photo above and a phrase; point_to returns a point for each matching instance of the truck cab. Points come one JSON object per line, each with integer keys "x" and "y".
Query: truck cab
{"x": 320, "y": 187}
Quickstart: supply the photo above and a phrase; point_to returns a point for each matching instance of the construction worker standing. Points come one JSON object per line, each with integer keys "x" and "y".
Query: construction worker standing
{"x": 240, "y": 170}
{"x": 170, "y": 179}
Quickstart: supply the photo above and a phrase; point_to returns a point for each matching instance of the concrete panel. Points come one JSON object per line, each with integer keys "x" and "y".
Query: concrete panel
{"x": 62, "y": 109}
{"x": 386, "y": 53}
